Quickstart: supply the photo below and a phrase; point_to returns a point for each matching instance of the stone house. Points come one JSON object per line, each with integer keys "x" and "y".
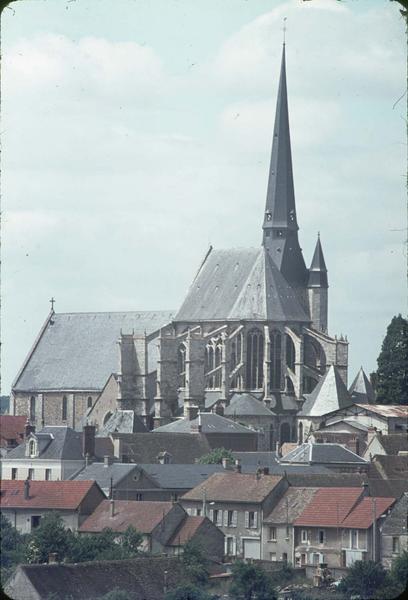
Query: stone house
{"x": 387, "y": 418}
{"x": 383, "y": 444}
{"x": 24, "y": 503}
{"x": 394, "y": 532}
{"x": 339, "y": 526}
{"x": 236, "y": 503}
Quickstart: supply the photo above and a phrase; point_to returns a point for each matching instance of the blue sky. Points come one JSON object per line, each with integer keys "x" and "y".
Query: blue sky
{"x": 135, "y": 133}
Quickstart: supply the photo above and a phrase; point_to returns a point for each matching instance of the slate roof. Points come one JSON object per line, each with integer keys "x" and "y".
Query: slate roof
{"x": 12, "y": 428}
{"x": 123, "y": 421}
{"x": 103, "y": 474}
{"x": 391, "y": 466}
{"x": 143, "y": 515}
{"x": 321, "y": 453}
{"x": 247, "y": 405}
{"x": 318, "y": 270}
{"x": 210, "y": 423}
{"x": 291, "y": 505}
{"x": 78, "y": 351}
{"x": 59, "y": 443}
{"x": 361, "y": 389}
{"x": 386, "y": 410}
{"x": 396, "y": 522}
{"x": 234, "y": 487}
{"x": 141, "y": 578}
{"x": 394, "y": 442}
{"x": 187, "y": 530}
{"x": 175, "y": 476}
{"x": 56, "y": 495}
{"x": 263, "y": 459}
{"x": 240, "y": 284}
{"x": 145, "y": 447}
{"x": 330, "y": 394}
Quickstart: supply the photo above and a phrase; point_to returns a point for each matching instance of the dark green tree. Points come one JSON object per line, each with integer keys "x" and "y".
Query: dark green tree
{"x": 12, "y": 548}
{"x": 49, "y": 537}
{"x": 392, "y": 372}
{"x": 195, "y": 564}
{"x": 187, "y": 592}
{"x": 215, "y": 457}
{"x": 399, "y": 570}
{"x": 116, "y": 594}
{"x": 365, "y": 579}
{"x": 250, "y": 582}
{"x": 131, "y": 541}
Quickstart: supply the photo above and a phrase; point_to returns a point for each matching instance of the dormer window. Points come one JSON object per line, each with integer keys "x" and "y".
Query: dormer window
{"x": 32, "y": 448}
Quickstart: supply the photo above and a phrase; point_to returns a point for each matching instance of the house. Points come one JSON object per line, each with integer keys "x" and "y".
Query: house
{"x": 277, "y": 529}
{"x": 386, "y": 444}
{"x": 165, "y": 526}
{"x": 236, "y": 503}
{"x": 332, "y": 456}
{"x": 24, "y": 503}
{"x": 161, "y": 482}
{"x": 148, "y": 448}
{"x": 394, "y": 532}
{"x": 53, "y": 453}
{"x": 339, "y": 526}
{"x": 392, "y": 469}
{"x": 387, "y": 418}
{"x": 12, "y": 429}
{"x": 148, "y": 577}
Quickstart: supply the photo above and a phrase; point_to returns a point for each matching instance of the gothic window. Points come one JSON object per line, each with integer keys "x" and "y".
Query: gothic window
{"x": 32, "y": 408}
{"x": 284, "y": 433}
{"x": 290, "y": 353}
{"x": 309, "y": 384}
{"x": 213, "y": 358}
{"x": 255, "y": 356}
{"x": 89, "y": 402}
{"x": 64, "y": 408}
{"x": 289, "y": 386}
{"x": 181, "y": 365}
{"x": 314, "y": 355}
{"x": 275, "y": 360}
{"x": 236, "y": 359}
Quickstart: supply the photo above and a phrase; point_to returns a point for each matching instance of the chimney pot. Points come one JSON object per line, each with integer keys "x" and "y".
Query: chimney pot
{"x": 112, "y": 507}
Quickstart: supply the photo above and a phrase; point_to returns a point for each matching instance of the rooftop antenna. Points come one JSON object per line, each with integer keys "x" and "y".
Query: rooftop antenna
{"x": 284, "y": 30}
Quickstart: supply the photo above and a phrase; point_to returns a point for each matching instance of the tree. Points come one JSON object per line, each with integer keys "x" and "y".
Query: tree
{"x": 187, "y": 592}
{"x": 49, "y": 537}
{"x": 250, "y": 582}
{"x": 12, "y": 548}
{"x": 131, "y": 541}
{"x": 195, "y": 564}
{"x": 215, "y": 457}
{"x": 364, "y": 579}
{"x": 392, "y": 372}
{"x": 399, "y": 570}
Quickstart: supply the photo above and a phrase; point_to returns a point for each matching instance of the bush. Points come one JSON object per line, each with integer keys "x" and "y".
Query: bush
{"x": 364, "y": 579}
{"x": 195, "y": 564}
{"x": 250, "y": 582}
{"x": 215, "y": 457}
{"x": 187, "y": 592}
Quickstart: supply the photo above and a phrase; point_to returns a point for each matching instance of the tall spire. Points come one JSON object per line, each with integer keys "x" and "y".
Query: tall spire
{"x": 318, "y": 270}
{"x": 280, "y": 226}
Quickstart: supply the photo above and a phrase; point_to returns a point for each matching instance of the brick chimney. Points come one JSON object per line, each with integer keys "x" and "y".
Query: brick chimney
{"x": 28, "y": 428}
{"x": 26, "y": 489}
{"x": 88, "y": 440}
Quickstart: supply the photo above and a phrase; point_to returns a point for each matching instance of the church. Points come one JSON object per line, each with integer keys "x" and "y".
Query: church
{"x": 249, "y": 343}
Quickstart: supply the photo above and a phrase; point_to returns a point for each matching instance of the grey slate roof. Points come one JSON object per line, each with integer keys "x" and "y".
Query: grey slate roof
{"x": 247, "y": 405}
{"x": 291, "y": 505}
{"x": 210, "y": 423}
{"x": 318, "y": 270}
{"x": 123, "y": 421}
{"x": 263, "y": 459}
{"x": 396, "y": 522}
{"x": 361, "y": 390}
{"x": 55, "y": 443}
{"x": 78, "y": 351}
{"x": 394, "y": 443}
{"x": 102, "y": 473}
{"x": 145, "y": 447}
{"x": 240, "y": 284}
{"x": 321, "y": 453}
{"x": 330, "y": 394}
{"x": 180, "y": 476}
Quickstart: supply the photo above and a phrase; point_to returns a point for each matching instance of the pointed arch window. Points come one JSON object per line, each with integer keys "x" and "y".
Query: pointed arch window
{"x": 64, "y": 408}
{"x": 31, "y": 448}
{"x": 32, "y": 408}
{"x": 290, "y": 353}
{"x": 236, "y": 359}
{"x": 89, "y": 402}
{"x": 213, "y": 359}
{"x": 255, "y": 356}
{"x": 181, "y": 365}
{"x": 275, "y": 360}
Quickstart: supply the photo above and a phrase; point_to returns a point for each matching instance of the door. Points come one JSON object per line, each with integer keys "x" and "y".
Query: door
{"x": 252, "y": 549}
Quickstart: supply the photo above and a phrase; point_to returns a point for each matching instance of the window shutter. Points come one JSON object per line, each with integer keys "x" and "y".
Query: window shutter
{"x": 226, "y": 546}
{"x": 234, "y": 518}
{"x": 255, "y": 519}
{"x": 246, "y": 519}
{"x": 225, "y": 518}
{"x": 211, "y": 515}
{"x": 234, "y": 546}
{"x": 219, "y": 518}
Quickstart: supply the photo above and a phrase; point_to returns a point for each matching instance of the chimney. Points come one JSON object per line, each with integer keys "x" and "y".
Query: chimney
{"x": 278, "y": 450}
{"x": 52, "y": 558}
{"x": 107, "y": 460}
{"x": 112, "y": 508}
{"x": 26, "y": 489}
{"x": 28, "y": 428}
{"x": 366, "y": 489}
{"x": 371, "y": 433}
{"x": 88, "y": 440}
{"x": 191, "y": 413}
{"x": 238, "y": 467}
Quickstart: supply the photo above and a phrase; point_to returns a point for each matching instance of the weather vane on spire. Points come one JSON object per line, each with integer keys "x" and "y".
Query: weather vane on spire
{"x": 284, "y": 29}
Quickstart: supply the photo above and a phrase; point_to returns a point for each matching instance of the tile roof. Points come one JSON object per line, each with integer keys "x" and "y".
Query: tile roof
{"x": 362, "y": 516}
{"x": 210, "y": 423}
{"x": 145, "y": 447}
{"x": 246, "y": 404}
{"x": 142, "y": 515}
{"x": 12, "y": 428}
{"x": 361, "y": 389}
{"x": 187, "y": 530}
{"x": 386, "y": 410}
{"x": 78, "y": 351}
{"x": 61, "y": 495}
{"x": 237, "y": 284}
{"x": 291, "y": 505}
{"x": 329, "y": 507}
{"x": 330, "y": 394}
{"x": 234, "y": 487}
{"x": 57, "y": 443}
{"x": 321, "y": 453}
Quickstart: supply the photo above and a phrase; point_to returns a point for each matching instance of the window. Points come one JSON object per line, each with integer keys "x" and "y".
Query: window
{"x": 285, "y": 557}
{"x": 395, "y": 545}
{"x": 35, "y": 521}
{"x": 321, "y": 536}
{"x": 139, "y": 497}
{"x": 89, "y": 402}
{"x": 230, "y": 546}
{"x": 217, "y": 519}
{"x": 303, "y": 559}
{"x": 290, "y": 353}
{"x": 198, "y": 512}
{"x": 13, "y": 473}
{"x": 304, "y": 536}
{"x": 272, "y": 534}
{"x": 30, "y": 474}
{"x": 64, "y": 408}
{"x": 285, "y": 432}
{"x": 255, "y": 356}
{"x": 354, "y": 538}
{"x": 47, "y": 474}
{"x": 181, "y": 365}
{"x": 32, "y": 408}
{"x": 236, "y": 359}
{"x": 316, "y": 557}
{"x": 213, "y": 359}
{"x": 232, "y": 518}
{"x": 251, "y": 519}
{"x": 275, "y": 360}
{"x": 31, "y": 448}
{"x": 272, "y": 556}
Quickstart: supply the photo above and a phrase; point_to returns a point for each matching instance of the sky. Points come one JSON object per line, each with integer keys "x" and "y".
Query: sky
{"x": 136, "y": 133}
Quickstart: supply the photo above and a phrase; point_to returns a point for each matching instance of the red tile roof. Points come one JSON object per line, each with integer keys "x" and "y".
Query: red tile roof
{"x": 234, "y": 487}
{"x": 362, "y": 516}
{"x": 329, "y": 506}
{"x": 62, "y": 495}
{"x": 187, "y": 530}
{"x": 12, "y": 428}
{"x": 143, "y": 516}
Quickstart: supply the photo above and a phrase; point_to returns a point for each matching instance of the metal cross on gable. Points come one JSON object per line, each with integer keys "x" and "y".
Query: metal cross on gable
{"x": 52, "y": 302}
